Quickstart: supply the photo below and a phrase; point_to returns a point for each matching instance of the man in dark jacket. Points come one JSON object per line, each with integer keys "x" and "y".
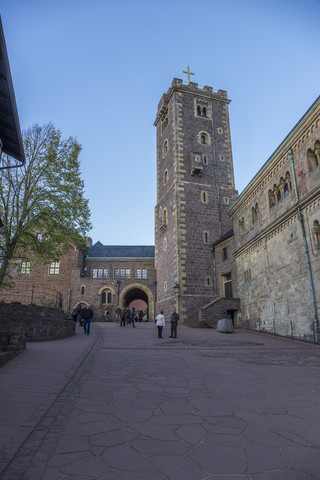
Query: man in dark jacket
{"x": 87, "y": 315}
{"x": 174, "y": 319}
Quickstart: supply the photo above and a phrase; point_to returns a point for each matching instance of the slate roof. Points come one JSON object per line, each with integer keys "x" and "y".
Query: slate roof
{"x": 224, "y": 237}
{"x": 10, "y": 133}
{"x": 120, "y": 251}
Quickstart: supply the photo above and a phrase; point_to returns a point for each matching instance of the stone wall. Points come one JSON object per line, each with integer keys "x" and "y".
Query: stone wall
{"x": 276, "y": 226}
{"x": 35, "y": 323}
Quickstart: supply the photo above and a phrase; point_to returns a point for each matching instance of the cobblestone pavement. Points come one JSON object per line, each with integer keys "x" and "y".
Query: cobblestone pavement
{"x": 122, "y": 404}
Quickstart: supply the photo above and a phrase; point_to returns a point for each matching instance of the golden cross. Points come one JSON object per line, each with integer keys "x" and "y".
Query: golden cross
{"x": 188, "y": 73}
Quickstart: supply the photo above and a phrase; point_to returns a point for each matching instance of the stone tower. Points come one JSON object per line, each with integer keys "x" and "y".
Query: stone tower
{"x": 195, "y": 188}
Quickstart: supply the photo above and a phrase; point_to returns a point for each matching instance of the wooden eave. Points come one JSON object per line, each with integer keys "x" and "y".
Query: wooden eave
{"x": 10, "y": 133}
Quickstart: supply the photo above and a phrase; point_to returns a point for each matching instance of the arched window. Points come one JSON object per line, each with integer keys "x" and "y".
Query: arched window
{"x": 164, "y": 216}
{"x": 203, "y": 138}
{"x": 199, "y": 110}
{"x": 255, "y": 213}
{"x": 106, "y": 297}
{"x": 204, "y": 112}
{"x": 82, "y": 290}
{"x": 316, "y": 234}
{"x": 317, "y": 151}
{"x": 163, "y": 226}
{"x": 272, "y": 200}
{"x": 313, "y": 161}
{"x": 242, "y": 225}
{"x": 278, "y": 196}
{"x": 204, "y": 197}
{"x": 286, "y": 189}
{"x": 165, "y": 177}
{"x": 165, "y": 148}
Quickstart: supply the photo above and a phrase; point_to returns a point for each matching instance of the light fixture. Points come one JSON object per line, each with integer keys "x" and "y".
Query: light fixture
{"x": 176, "y": 288}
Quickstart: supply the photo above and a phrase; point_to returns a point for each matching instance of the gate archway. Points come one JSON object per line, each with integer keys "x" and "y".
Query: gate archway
{"x": 137, "y": 291}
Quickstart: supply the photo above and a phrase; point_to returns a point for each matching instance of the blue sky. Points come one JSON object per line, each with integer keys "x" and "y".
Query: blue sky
{"x": 98, "y": 68}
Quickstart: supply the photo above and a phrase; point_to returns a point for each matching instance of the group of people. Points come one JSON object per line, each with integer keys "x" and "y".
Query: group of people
{"x": 83, "y": 314}
{"x": 129, "y": 317}
{"x": 160, "y": 323}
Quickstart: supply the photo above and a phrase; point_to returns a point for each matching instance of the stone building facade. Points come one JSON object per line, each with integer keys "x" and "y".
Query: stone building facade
{"x": 43, "y": 284}
{"x": 106, "y": 276}
{"x": 115, "y": 275}
{"x": 276, "y": 222}
{"x": 193, "y": 250}
{"x": 195, "y": 188}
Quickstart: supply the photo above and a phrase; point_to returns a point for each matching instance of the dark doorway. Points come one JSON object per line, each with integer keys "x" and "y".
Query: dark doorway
{"x": 136, "y": 298}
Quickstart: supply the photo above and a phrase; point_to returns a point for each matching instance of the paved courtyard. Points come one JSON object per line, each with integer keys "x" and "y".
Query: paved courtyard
{"x": 122, "y": 404}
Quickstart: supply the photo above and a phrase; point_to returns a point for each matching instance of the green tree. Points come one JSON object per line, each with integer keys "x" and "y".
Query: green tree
{"x": 44, "y": 195}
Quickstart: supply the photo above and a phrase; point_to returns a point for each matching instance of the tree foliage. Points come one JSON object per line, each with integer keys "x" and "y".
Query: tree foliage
{"x": 45, "y": 195}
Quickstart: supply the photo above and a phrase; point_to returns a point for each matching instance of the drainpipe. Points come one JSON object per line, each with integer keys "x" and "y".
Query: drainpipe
{"x": 300, "y": 216}
{"x": 214, "y": 269}
{"x": 69, "y": 300}
{"x": 154, "y": 298}
{"x": 118, "y": 292}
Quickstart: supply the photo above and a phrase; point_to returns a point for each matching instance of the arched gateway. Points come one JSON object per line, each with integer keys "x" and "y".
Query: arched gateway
{"x": 117, "y": 275}
{"x": 138, "y": 291}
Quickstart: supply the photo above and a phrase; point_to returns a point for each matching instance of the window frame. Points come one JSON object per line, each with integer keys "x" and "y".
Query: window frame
{"x": 54, "y": 268}
{"x": 25, "y": 268}
{"x": 141, "y": 273}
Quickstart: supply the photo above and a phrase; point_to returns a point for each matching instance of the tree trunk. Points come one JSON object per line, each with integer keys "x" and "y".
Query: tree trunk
{"x": 7, "y": 256}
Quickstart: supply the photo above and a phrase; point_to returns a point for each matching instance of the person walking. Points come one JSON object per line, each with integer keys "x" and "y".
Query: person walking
{"x": 160, "y": 323}
{"x": 74, "y": 314}
{"x": 174, "y": 319}
{"x": 133, "y": 316}
{"x": 81, "y": 315}
{"x": 87, "y": 317}
{"x": 128, "y": 316}
{"x": 118, "y": 314}
{"x": 106, "y": 315}
{"x": 123, "y": 317}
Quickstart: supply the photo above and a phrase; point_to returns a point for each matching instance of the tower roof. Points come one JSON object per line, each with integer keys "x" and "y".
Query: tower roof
{"x": 98, "y": 250}
{"x": 191, "y": 88}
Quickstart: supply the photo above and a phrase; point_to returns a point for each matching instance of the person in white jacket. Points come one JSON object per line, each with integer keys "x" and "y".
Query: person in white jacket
{"x": 160, "y": 323}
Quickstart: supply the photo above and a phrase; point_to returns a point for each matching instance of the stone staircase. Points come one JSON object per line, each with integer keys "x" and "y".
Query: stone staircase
{"x": 193, "y": 322}
{"x": 213, "y": 311}
{"x": 208, "y": 316}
